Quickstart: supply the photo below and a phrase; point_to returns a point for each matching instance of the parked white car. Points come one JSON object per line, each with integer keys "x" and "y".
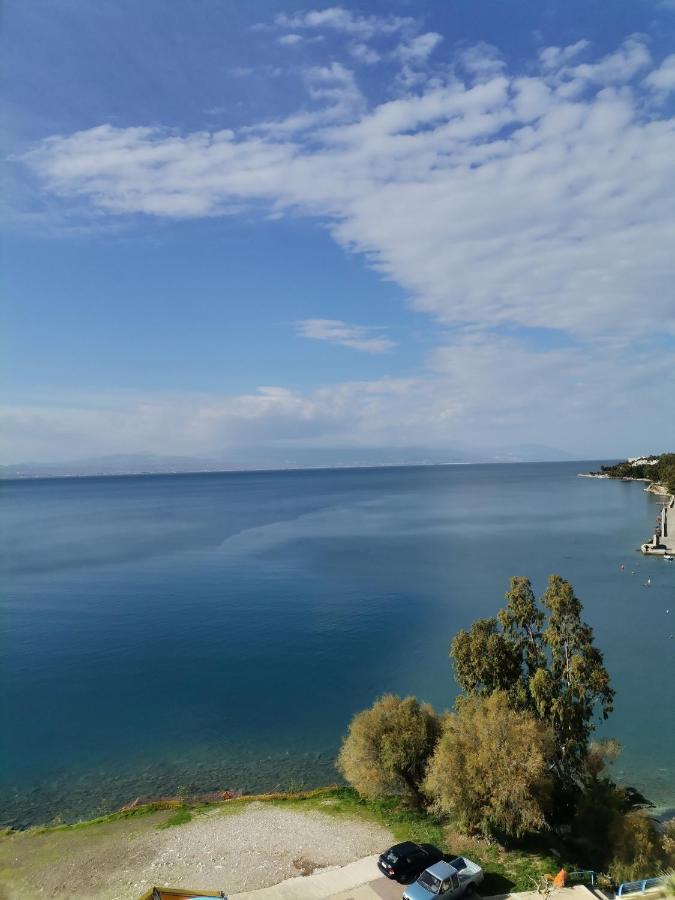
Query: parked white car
{"x": 450, "y": 880}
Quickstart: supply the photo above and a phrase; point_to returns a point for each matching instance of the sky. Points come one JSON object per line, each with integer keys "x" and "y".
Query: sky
{"x": 273, "y": 227}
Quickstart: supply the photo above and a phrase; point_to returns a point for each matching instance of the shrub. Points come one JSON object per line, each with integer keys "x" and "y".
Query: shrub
{"x": 388, "y": 746}
{"x": 490, "y": 768}
{"x": 637, "y": 848}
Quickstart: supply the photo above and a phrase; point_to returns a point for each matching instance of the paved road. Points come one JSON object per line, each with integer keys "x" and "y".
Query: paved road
{"x": 378, "y": 889}
{"x": 360, "y": 880}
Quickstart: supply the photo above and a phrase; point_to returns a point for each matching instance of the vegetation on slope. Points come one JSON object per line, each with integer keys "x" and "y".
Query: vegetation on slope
{"x": 514, "y": 761}
{"x": 663, "y": 471}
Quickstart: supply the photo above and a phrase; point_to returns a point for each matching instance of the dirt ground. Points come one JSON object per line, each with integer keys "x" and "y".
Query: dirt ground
{"x": 230, "y": 849}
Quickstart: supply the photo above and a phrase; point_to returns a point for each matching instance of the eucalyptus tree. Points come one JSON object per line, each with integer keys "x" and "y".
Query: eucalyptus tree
{"x": 543, "y": 655}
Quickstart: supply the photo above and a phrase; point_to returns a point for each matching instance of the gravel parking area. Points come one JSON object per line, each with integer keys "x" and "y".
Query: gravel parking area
{"x": 229, "y": 849}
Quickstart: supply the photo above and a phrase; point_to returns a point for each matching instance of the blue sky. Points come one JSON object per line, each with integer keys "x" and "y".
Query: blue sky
{"x": 282, "y": 225}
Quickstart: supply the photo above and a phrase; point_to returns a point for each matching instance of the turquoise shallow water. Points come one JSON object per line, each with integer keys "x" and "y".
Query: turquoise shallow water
{"x": 219, "y": 631}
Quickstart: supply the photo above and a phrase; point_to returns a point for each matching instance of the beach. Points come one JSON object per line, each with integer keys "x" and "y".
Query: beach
{"x": 236, "y": 849}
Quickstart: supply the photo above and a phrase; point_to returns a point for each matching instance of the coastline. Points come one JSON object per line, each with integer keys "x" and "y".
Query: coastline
{"x": 667, "y": 542}
{"x": 655, "y": 487}
{"x": 619, "y": 478}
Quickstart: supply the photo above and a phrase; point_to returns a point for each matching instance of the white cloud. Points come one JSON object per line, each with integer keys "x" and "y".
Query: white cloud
{"x": 616, "y": 68}
{"x": 500, "y": 204}
{"x": 555, "y": 57}
{"x": 483, "y": 61}
{"x": 364, "y": 54}
{"x": 417, "y": 49}
{"x": 663, "y": 78}
{"x": 358, "y": 337}
{"x": 290, "y": 40}
{"x": 336, "y": 18}
{"x": 331, "y": 83}
{"x": 481, "y": 390}
{"x": 337, "y": 99}
{"x": 507, "y": 201}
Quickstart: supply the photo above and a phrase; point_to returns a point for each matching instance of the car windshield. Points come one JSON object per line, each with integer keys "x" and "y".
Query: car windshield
{"x": 391, "y": 857}
{"x": 430, "y": 882}
{"x": 458, "y": 864}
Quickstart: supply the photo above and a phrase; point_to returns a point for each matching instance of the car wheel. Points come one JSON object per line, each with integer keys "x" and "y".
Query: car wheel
{"x": 470, "y": 889}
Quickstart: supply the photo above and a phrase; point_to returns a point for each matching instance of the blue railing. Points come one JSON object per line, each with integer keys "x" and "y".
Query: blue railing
{"x": 633, "y": 887}
{"x": 588, "y": 876}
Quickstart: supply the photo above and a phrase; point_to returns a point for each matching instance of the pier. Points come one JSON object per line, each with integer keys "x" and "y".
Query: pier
{"x": 663, "y": 539}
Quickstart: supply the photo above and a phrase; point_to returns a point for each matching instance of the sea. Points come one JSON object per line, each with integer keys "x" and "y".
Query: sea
{"x": 179, "y": 634}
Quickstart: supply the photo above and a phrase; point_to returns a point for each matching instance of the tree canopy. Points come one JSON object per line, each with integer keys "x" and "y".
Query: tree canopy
{"x": 490, "y": 767}
{"x": 662, "y": 471}
{"x": 543, "y": 656}
{"x": 387, "y": 747}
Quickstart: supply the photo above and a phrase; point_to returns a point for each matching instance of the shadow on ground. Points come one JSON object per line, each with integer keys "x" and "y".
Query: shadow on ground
{"x": 494, "y": 884}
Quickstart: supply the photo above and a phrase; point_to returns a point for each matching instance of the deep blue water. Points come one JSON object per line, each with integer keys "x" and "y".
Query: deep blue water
{"x": 219, "y": 631}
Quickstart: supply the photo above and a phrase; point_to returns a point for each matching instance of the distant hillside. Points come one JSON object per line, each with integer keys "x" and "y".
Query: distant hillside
{"x": 121, "y": 464}
{"x": 261, "y": 458}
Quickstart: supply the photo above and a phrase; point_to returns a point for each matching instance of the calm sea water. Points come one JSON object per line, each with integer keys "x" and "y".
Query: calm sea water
{"x": 200, "y": 632}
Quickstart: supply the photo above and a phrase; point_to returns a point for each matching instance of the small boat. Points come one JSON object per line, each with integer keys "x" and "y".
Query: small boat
{"x": 668, "y": 557}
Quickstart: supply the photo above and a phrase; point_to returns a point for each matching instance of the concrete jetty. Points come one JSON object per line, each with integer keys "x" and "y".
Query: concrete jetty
{"x": 663, "y": 539}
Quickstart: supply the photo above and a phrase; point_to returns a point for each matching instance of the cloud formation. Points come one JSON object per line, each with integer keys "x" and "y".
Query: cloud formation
{"x": 505, "y": 203}
{"x": 663, "y": 78}
{"x": 418, "y": 49}
{"x": 290, "y": 40}
{"x": 480, "y": 390}
{"x": 336, "y": 18}
{"x": 483, "y": 61}
{"x": 618, "y": 67}
{"x": 358, "y": 337}
{"x": 542, "y": 201}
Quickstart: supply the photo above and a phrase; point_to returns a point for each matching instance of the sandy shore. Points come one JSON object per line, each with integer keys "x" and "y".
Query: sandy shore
{"x": 231, "y": 849}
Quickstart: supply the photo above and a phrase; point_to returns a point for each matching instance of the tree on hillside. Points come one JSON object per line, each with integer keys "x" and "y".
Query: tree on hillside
{"x": 490, "y": 769}
{"x": 576, "y": 682}
{"x": 665, "y": 471}
{"x": 522, "y": 622}
{"x": 485, "y": 659}
{"x": 388, "y": 746}
{"x": 544, "y": 657}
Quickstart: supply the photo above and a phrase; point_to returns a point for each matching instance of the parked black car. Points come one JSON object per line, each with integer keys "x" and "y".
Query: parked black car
{"x": 404, "y": 862}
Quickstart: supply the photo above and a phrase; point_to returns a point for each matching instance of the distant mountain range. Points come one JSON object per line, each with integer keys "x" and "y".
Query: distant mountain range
{"x": 148, "y": 463}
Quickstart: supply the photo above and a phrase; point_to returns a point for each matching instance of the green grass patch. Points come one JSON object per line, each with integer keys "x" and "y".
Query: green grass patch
{"x": 181, "y": 817}
{"x": 134, "y": 813}
{"x": 514, "y": 868}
